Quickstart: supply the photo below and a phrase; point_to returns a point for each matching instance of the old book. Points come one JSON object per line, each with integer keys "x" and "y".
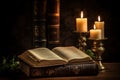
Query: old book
{"x": 44, "y": 57}
{"x": 53, "y": 23}
{"x": 82, "y": 69}
{"x": 39, "y": 23}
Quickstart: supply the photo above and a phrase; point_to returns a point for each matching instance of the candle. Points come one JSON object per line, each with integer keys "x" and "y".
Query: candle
{"x": 100, "y": 25}
{"x": 95, "y": 33}
{"x": 81, "y": 24}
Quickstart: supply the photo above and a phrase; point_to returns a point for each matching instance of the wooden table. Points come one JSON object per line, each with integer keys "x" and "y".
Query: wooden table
{"x": 112, "y": 72}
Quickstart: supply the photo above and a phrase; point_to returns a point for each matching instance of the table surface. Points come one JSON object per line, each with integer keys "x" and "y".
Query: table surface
{"x": 112, "y": 72}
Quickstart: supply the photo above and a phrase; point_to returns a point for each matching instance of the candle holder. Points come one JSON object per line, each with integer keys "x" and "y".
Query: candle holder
{"x": 82, "y": 41}
{"x": 98, "y": 50}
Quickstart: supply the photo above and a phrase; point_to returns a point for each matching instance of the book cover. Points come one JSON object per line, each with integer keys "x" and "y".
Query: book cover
{"x": 83, "y": 69}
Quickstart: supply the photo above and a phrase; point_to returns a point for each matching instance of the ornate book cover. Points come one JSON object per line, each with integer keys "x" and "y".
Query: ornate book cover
{"x": 82, "y": 69}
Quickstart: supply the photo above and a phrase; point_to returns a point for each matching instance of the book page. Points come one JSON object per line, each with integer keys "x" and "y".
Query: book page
{"x": 41, "y": 57}
{"x": 44, "y": 54}
{"x": 71, "y": 53}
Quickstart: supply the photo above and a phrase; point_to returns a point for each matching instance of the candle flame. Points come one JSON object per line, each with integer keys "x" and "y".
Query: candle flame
{"x": 98, "y": 18}
{"x": 94, "y": 26}
{"x": 81, "y": 14}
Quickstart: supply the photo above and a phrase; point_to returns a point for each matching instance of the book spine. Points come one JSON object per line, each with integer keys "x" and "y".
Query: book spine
{"x": 53, "y": 22}
{"x": 39, "y": 23}
{"x": 61, "y": 71}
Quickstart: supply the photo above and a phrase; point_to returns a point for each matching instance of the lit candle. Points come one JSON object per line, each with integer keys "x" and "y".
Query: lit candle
{"x": 100, "y": 25}
{"x": 95, "y": 33}
{"x": 81, "y": 24}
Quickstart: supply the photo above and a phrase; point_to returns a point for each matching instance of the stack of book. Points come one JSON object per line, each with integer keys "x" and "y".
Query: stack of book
{"x": 59, "y": 61}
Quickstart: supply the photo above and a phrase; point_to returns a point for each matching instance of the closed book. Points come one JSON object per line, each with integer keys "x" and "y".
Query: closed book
{"x": 53, "y": 23}
{"x": 82, "y": 69}
{"x": 39, "y": 23}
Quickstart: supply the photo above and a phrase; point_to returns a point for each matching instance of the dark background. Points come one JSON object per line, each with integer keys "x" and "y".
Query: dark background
{"x": 16, "y": 24}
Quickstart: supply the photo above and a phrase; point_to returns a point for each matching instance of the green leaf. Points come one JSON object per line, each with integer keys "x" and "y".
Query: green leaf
{"x": 90, "y": 53}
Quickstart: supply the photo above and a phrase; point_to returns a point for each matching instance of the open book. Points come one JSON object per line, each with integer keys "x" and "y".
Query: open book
{"x": 42, "y": 57}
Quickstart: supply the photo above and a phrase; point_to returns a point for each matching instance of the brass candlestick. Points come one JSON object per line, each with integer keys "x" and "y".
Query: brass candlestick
{"x": 82, "y": 41}
{"x": 98, "y": 49}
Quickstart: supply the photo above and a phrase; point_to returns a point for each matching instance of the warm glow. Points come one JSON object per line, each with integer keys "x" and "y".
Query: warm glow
{"x": 81, "y": 14}
{"x": 94, "y": 27}
{"x": 98, "y": 18}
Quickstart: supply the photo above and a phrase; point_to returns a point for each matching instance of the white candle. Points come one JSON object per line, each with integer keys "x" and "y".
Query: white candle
{"x": 100, "y": 25}
{"x": 81, "y": 24}
{"x": 95, "y": 33}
